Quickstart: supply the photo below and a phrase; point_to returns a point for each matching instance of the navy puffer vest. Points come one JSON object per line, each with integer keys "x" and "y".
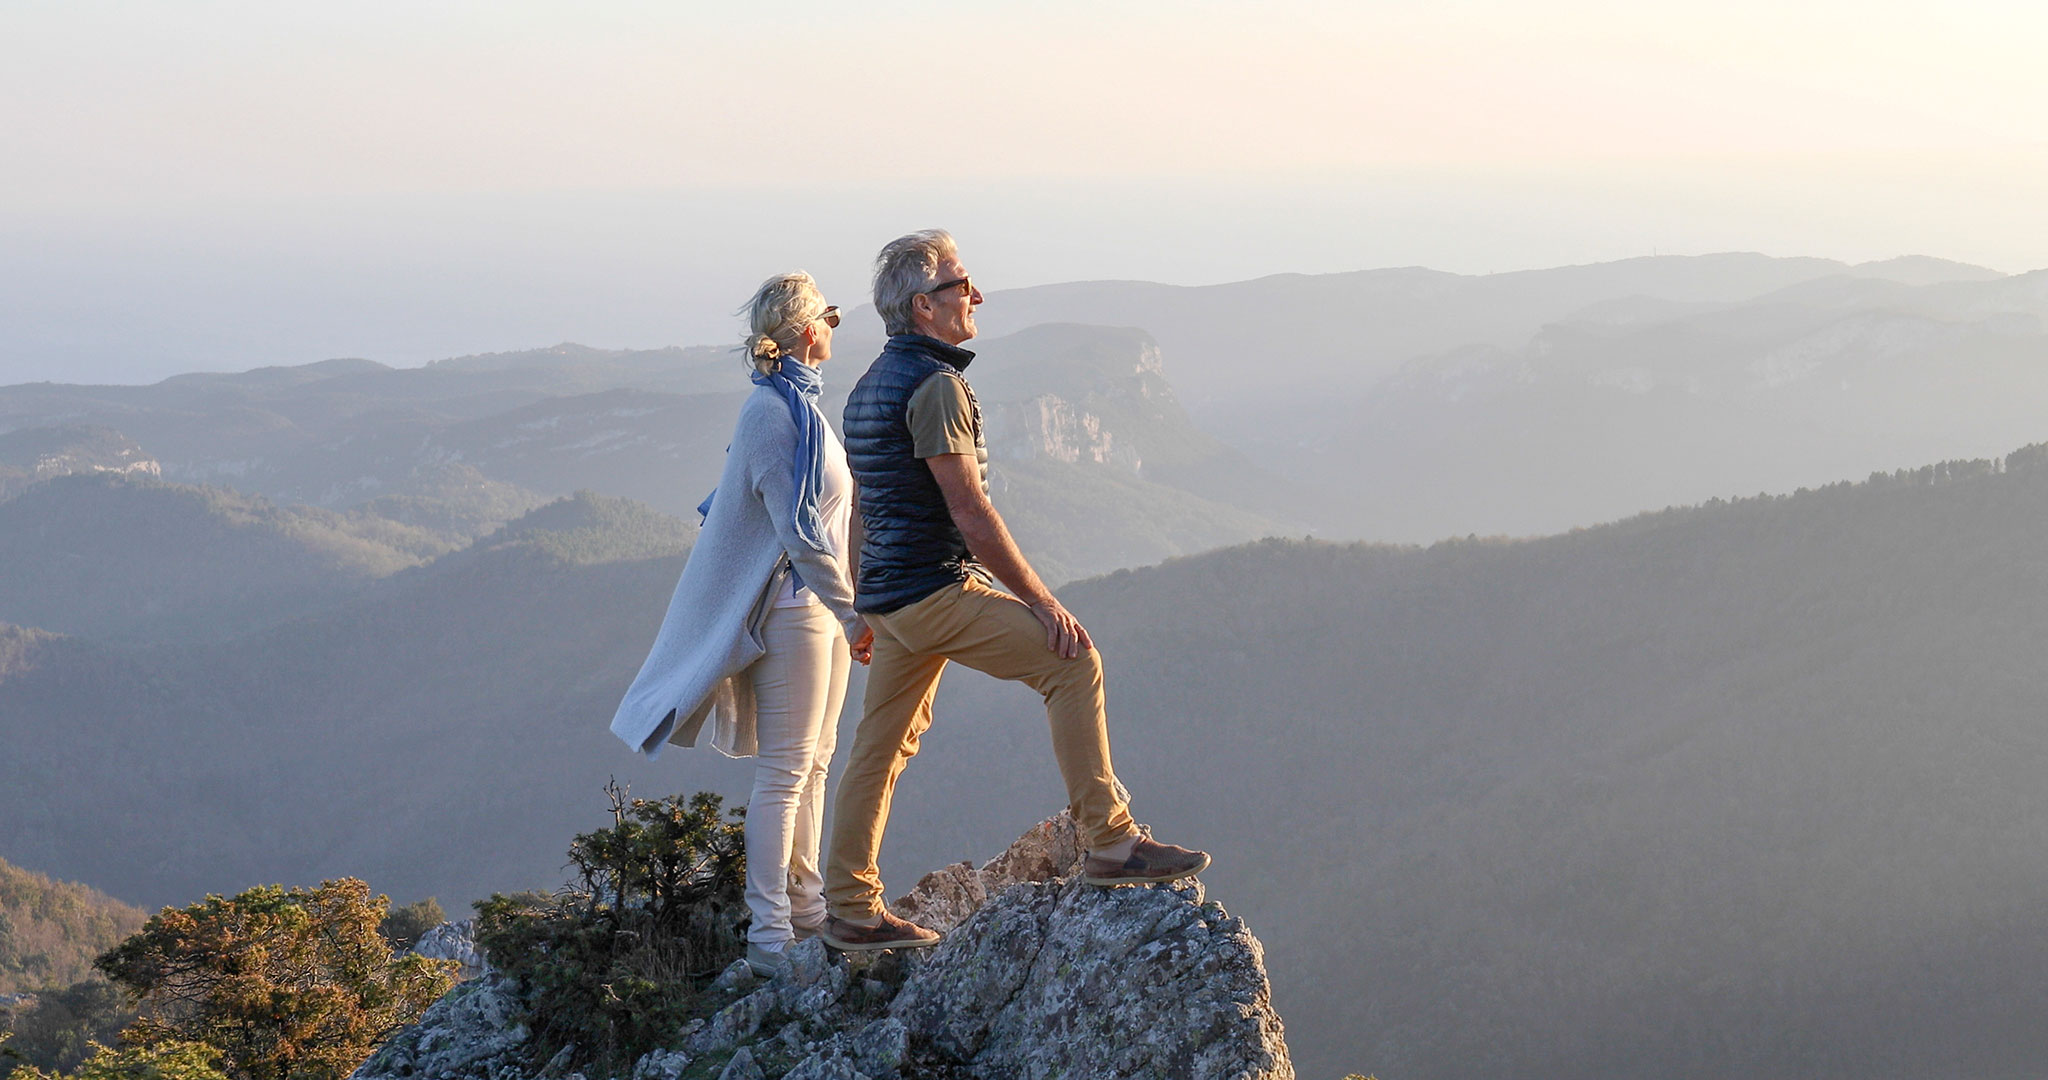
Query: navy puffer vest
{"x": 910, "y": 548}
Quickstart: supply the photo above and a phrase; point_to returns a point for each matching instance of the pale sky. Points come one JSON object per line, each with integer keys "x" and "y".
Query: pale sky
{"x": 226, "y": 184}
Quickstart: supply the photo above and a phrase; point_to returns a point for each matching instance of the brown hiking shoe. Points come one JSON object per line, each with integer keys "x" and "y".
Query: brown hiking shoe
{"x": 1150, "y": 862}
{"x": 890, "y": 933}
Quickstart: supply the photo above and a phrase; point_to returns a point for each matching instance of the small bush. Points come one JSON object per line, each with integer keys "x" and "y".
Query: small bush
{"x": 406, "y": 925}
{"x": 617, "y": 965}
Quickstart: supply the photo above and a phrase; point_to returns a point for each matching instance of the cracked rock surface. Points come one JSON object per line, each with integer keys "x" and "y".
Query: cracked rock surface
{"x": 1040, "y": 976}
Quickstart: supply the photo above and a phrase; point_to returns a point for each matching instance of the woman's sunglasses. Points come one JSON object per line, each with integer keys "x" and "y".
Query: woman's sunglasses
{"x": 830, "y": 316}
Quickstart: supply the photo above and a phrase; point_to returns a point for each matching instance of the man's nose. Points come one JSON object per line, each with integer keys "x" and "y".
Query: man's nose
{"x": 974, "y": 297}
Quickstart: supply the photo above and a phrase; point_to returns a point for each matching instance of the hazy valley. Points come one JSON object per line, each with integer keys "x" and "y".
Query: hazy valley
{"x": 1744, "y": 787}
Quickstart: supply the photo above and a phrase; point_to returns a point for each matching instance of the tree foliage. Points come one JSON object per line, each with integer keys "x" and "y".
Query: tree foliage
{"x": 615, "y": 965}
{"x": 168, "y": 1060}
{"x": 287, "y": 983}
{"x": 61, "y": 1029}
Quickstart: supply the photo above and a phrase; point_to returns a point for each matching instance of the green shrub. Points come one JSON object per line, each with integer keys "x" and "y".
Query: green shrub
{"x": 617, "y": 965}
{"x": 406, "y": 925}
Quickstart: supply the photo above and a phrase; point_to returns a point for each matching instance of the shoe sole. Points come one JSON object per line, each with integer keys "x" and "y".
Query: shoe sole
{"x": 1156, "y": 879}
{"x": 876, "y": 946}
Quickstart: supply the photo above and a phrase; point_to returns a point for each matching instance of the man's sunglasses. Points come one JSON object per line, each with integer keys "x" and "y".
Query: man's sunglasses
{"x": 830, "y": 316}
{"x": 964, "y": 284}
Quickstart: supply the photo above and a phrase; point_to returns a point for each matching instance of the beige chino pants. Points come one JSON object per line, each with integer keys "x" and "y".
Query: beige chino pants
{"x": 992, "y": 632}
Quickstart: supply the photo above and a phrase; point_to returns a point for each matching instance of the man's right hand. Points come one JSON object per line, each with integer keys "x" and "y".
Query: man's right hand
{"x": 1064, "y": 634}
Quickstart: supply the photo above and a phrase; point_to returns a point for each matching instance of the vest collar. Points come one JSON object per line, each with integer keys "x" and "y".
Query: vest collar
{"x": 934, "y": 348}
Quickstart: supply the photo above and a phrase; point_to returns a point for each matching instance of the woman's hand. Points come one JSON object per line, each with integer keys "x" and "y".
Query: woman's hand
{"x": 862, "y": 644}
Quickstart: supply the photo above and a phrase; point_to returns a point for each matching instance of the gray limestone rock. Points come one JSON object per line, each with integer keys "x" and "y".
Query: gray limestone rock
{"x": 1040, "y": 976}
{"x": 454, "y": 941}
{"x": 737, "y": 975}
{"x": 825, "y": 1069}
{"x": 944, "y": 898}
{"x": 1065, "y": 979}
{"x": 736, "y": 1023}
{"x": 742, "y": 1067}
{"x": 472, "y": 1033}
{"x": 661, "y": 1065}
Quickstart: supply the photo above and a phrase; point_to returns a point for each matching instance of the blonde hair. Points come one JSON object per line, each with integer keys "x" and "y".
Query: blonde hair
{"x": 907, "y": 266}
{"x": 776, "y": 317}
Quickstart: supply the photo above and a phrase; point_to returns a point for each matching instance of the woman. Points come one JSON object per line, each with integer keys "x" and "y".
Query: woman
{"x": 761, "y": 628}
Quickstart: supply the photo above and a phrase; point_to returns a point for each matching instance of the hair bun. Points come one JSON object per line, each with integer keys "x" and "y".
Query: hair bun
{"x": 765, "y": 348}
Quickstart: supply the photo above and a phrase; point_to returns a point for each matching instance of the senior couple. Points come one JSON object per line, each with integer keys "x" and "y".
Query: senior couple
{"x": 814, "y": 555}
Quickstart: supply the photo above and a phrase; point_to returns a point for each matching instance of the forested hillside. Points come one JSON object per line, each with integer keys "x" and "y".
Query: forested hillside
{"x": 51, "y": 930}
{"x": 1751, "y": 788}
{"x": 435, "y": 733}
{"x": 127, "y": 557}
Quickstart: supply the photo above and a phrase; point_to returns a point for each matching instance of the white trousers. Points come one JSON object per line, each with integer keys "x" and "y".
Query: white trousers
{"x": 799, "y": 686}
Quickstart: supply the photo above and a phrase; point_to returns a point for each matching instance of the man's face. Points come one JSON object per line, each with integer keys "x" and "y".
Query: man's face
{"x": 947, "y": 313}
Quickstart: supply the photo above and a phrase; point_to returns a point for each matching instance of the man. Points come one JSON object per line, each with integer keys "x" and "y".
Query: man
{"x": 929, "y": 541}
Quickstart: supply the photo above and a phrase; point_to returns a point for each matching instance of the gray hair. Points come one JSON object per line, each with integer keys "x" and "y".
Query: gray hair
{"x": 776, "y": 317}
{"x": 907, "y": 266}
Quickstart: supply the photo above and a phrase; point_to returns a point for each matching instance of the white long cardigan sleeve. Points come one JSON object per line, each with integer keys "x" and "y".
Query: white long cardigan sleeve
{"x": 696, "y": 670}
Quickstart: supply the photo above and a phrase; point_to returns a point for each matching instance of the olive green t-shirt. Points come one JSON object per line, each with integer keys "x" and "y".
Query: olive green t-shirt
{"x": 943, "y": 420}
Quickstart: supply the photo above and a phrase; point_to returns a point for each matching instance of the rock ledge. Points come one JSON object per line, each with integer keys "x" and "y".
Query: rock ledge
{"x": 1040, "y": 976}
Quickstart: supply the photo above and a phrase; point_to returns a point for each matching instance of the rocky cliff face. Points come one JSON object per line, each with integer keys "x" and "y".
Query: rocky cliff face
{"x": 1040, "y": 975}
{"x": 1052, "y": 427}
{"x": 30, "y": 456}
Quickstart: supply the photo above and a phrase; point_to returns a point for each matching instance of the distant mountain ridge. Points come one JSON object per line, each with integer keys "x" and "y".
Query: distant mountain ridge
{"x": 1089, "y": 430}
{"x": 1301, "y": 403}
{"x": 1236, "y": 343}
{"x": 1593, "y": 418}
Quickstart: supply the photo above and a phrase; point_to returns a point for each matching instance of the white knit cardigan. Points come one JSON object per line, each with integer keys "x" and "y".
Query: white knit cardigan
{"x": 696, "y": 670}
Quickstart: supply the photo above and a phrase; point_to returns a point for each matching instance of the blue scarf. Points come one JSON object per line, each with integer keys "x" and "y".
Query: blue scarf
{"x": 799, "y": 384}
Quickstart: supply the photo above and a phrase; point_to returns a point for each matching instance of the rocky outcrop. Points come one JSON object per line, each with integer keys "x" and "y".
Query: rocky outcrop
{"x": 1050, "y": 426}
{"x": 1040, "y": 975}
{"x": 33, "y": 455}
{"x": 454, "y": 941}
